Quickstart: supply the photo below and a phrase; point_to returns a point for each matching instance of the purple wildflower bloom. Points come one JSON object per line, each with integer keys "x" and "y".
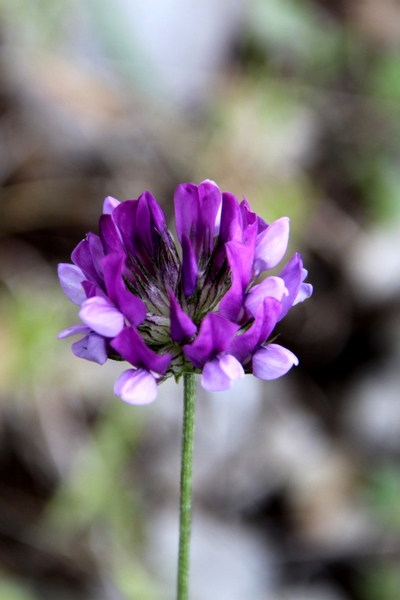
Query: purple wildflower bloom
{"x": 199, "y": 310}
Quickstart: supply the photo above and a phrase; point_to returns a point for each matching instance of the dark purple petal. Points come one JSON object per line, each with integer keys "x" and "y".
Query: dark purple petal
{"x": 209, "y": 202}
{"x": 97, "y": 252}
{"x": 150, "y": 221}
{"x": 82, "y": 258}
{"x": 71, "y": 278}
{"x": 92, "y": 347}
{"x": 186, "y": 202}
{"x": 220, "y": 373}
{"x": 292, "y": 275}
{"x": 189, "y": 267}
{"x": 273, "y": 361}
{"x": 124, "y": 216}
{"x": 271, "y": 245}
{"x": 244, "y": 344}
{"x": 272, "y": 287}
{"x": 102, "y": 316}
{"x": 109, "y": 204}
{"x": 240, "y": 259}
{"x": 136, "y": 386}
{"x": 130, "y": 305}
{"x": 214, "y": 336}
{"x": 231, "y": 228}
{"x": 109, "y": 235}
{"x": 182, "y": 326}
{"x": 132, "y": 348}
{"x": 91, "y": 289}
{"x": 74, "y": 330}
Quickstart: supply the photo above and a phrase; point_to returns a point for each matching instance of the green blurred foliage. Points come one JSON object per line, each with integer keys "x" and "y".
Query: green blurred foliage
{"x": 11, "y": 590}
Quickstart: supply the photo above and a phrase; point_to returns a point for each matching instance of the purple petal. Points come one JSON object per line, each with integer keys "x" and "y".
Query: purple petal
{"x": 71, "y": 278}
{"x": 92, "y": 347}
{"x": 214, "y": 336}
{"x": 102, "y": 316}
{"x": 97, "y": 252}
{"x": 244, "y": 344}
{"x": 291, "y": 274}
{"x": 220, "y": 373}
{"x": 271, "y": 245}
{"x": 82, "y": 258}
{"x": 273, "y": 361}
{"x": 109, "y": 204}
{"x": 91, "y": 289}
{"x": 110, "y": 235}
{"x": 231, "y": 227}
{"x": 136, "y": 386}
{"x": 272, "y": 287}
{"x": 132, "y": 348}
{"x": 182, "y": 326}
{"x": 73, "y": 331}
{"x": 150, "y": 221}
{"x": 124, "y": 216}
{"x": 240, "y": 258}
{"x": 305, "y": 291}
{"x": 209, "y": 202}
{"x": 186, "y": 202}
{"x": 189, "y": 267}
{"x": 130, "y": 305}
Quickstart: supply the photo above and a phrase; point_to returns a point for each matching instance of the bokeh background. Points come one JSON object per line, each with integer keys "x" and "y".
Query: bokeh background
{"x": 296, "y": 105}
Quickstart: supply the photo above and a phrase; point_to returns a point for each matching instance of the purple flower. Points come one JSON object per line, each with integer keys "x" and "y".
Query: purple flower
{"x": 198, "y": 309}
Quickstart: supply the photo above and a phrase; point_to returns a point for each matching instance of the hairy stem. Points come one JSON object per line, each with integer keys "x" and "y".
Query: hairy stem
{"x": 186, "y": 485}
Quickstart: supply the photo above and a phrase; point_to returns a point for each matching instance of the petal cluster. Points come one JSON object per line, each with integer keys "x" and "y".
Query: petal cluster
{"x": 200, "y": 307}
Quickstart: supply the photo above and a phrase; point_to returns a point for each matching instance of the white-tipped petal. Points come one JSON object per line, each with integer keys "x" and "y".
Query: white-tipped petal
{"x": 273, "y": 361}
{"x": 102, "y": 316}
{"x": 71, "y": 278}
{"x": 136, "y": 386}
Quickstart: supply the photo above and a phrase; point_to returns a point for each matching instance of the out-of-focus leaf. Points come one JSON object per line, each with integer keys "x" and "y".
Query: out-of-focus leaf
{"x": 11, "y": 590}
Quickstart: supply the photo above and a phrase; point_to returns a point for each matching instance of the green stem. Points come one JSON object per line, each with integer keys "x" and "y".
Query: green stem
{"x": 186, "y": 485}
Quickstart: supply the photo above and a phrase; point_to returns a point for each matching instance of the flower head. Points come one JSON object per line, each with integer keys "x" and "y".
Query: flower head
{"x": 200, "y": 309}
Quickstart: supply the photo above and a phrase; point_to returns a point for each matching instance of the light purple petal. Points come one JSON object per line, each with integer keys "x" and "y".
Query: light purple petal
{"x": 102, "y": 316}
{"x": 136, "y": 387}
{"x": 71, "y": 278}
{"x": 305, "y": 291}
{"x": 132, "y": 348}
{"x": 271, "y": 245}
{"x": 109, "y": 204}
{"x": 292, "y": 275}
{"x": 92, "y": 347}
{"x": 271, "y": 287}
{"x": 214, "y": 336}
{"x": 273, "y": 361}
{"x": 132, "y": 307}
{"x": 97, "y": 252}
{"x": 220, "y": 373}
{"x": 182, "y": 326}
{"x": 75, "y": 329}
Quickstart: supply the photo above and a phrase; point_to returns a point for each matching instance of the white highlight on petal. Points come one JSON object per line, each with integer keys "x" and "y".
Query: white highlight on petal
{"x": 136, "y": 386}
{"x": 109, "y": 204}
{"x": 71, "y": 278}
{"x": 271, "y": 245}
{"x": 273, "y": 361}
{"x": 271, "y": 287}
{"x": 102, "y": 316}
{"x": 220, "y": 373}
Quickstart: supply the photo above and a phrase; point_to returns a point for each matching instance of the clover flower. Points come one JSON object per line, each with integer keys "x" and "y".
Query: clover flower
{"x": 200, "y": 309}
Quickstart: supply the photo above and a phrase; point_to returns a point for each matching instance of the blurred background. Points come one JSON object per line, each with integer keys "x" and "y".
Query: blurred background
{"x": 296, "y": 105}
